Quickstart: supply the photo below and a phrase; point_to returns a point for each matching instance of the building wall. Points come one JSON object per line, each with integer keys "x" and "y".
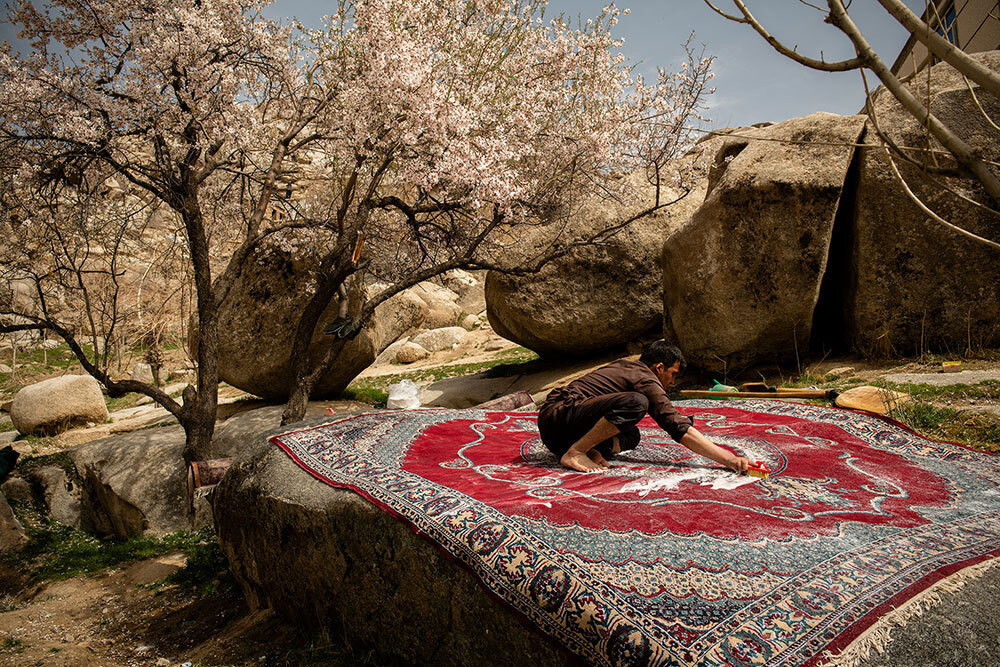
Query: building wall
{"x": 975, "y": 30}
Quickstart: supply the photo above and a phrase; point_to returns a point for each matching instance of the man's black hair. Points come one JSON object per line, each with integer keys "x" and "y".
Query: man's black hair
{"x": 662, "y": 352}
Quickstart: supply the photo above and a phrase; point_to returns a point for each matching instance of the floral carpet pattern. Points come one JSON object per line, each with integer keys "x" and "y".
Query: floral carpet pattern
{"x": 667, "y": 558}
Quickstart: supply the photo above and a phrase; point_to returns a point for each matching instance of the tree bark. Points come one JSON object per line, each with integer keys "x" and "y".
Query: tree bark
{"x": 200, "y": 422}
{"x": 304, "y": 377}
{"x": 967, "y": 157}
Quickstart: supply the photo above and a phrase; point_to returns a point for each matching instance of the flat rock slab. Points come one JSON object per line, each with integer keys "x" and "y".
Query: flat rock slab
{"x": 944, "y": 379}
{"x": 134, "y": 483}
{"x": 327, "y": 558}
{"x": 963, "y": 630}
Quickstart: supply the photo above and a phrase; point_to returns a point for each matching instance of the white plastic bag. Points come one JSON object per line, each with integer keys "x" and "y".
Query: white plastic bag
{"x": 404, "y": 395}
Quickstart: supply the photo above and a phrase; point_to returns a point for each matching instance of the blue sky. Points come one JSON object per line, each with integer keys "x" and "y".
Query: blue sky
{"x": 753, "y": 82}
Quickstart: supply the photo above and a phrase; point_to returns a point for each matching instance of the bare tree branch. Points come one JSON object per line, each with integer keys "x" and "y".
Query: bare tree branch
{"x": 823, "y": 65}
{"x": 942, "y": 48}
{"x": 934, "y": 216}
{"x": 966, "y": 156}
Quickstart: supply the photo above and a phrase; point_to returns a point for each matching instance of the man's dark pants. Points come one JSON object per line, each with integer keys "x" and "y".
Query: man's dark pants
{"x": 561, "y": 424}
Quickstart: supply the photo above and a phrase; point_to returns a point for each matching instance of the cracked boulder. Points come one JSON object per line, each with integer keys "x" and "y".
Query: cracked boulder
{"x": 599, "y": 296}
{"x": 133, "y": 484}
{"x": 742, "y": 277}
{"x": 327, "y": 558}
{"x": 915, "y": 285}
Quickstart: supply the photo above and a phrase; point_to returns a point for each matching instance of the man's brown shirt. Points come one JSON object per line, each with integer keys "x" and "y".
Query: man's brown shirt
{"x": 620, "y": 376}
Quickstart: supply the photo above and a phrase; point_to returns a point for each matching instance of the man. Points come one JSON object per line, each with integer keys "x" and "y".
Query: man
{"x": 593, "y": 418}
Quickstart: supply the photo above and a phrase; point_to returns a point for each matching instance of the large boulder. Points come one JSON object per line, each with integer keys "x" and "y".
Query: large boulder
{"x": 436, "y": 340}
{"x": 598, "y": 296}
{"x": 469, "y": 289}
{"x": 258, "y": 320}
{"x": 57, "y": 403}
{"x": 409, "y": 353}
{"x": 913, "y": 285}
{"x": 133, "y": 483}
{"x": 136, "y": 483}
{"x": 326, "y": 558}
{"x": 442, "y": 305}
{"x": 742, "y": 277}
{"x": 240, "y": 431}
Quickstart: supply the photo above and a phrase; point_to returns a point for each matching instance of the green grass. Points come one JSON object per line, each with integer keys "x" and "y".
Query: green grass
{"x": 206, "y": 570}
{"x": 364, "y": 392}
{"x": 375, "y": 390}
{"x": 973, "y": 429}
{"x": 37, "y": 441}
{"x": 970, "y": 428}
{"x": 120, "y": 403}
{"x": 12, "y": 645}
{"x": 55, "y": 552}
{"x": 988, "y": 389}
{"x": 60, "y": 459}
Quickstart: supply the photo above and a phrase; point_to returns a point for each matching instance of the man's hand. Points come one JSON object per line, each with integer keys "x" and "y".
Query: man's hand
{"x": 738, "y": 464}
{"x": 699, "y": 444}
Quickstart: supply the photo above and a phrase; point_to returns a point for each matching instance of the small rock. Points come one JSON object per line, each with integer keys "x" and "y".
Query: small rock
{"x": 162, "y": 662}
{"x": 411, "y": 352}
{"x": 50, "y": 344}
{"x": 142, "y": 373}
{"x": 440, "y": 339}
{"x": 11, "y": 532}
{"x": 6, "y": 405}
{"x": 470, "y": 322}
{"x": 4, "y": 368}
{"x": 841, "y": 372}
{"x": 17, "y": 491}
{"x": 388, "y": 355}
{"x": 8, "y": 436}
{"x": 495, "y": 345}
{"x": 62, "y": 499}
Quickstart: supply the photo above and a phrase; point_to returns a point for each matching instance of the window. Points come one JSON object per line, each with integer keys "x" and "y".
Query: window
{"x": 946, "y": 25}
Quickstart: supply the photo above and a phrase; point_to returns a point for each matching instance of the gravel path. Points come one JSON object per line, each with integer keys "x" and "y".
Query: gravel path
{"x": 944, "y": 379}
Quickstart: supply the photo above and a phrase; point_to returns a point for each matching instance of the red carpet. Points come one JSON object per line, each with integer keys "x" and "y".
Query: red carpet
{"x": 668, "y": 558}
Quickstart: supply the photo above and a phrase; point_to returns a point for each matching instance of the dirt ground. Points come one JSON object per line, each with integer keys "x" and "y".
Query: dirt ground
{"x": 126, "y": 618}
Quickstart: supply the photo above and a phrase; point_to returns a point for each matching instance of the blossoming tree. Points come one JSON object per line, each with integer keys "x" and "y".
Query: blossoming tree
{"x": 433, "y": 131}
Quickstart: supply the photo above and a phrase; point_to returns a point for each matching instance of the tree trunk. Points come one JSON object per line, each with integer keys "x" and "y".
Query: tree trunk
{"x": 298, "y": 400}
{"x": 304, "y": 377}
{"x": 200, "y": 425}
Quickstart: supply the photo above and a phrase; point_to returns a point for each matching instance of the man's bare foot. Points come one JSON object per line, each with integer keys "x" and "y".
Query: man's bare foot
{"x": 578, "y": 461}
{"x": 596, "y": 457}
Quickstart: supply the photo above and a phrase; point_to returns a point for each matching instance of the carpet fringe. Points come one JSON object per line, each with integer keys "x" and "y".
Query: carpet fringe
{"x": 877, "y": 637}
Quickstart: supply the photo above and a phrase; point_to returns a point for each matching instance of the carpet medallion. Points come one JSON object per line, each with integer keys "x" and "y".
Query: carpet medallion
{"x": 667, "y": 558}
